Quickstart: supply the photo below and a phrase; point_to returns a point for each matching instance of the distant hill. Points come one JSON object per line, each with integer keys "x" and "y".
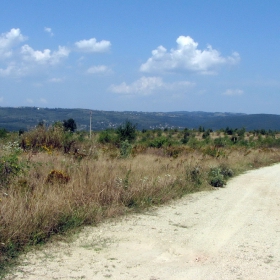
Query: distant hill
{"x": 26, "y": 118}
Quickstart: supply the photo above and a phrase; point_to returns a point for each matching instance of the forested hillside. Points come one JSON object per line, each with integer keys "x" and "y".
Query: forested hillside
{"x": 26, "y": 118}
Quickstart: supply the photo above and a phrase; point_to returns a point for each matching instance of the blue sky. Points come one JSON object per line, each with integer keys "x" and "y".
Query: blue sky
{"x": 139, "y": 55}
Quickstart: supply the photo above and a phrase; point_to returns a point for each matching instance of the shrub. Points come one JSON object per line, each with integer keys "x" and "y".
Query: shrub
{"x": 3, "y": 133}
{"x": 216, "y": 177}
{"x": 158, "y": 142}
{"x": 206, "y": 134}
{"x": 57, "y": 176}
{"x": 10, "y": 167}
{"x": 220, "y": 142}
{"x": 106, "y": 136}
{"x": 186, "y": 136}
{"x": 48, "y": 139}
{"x": 226, "y": 172}
{"x": 125, "y": 149}
{"x": 69, "y": 125}
{"x": 195, "y": 175}
{"x": 194, "y": 143}
{"x": 126, "y": 131}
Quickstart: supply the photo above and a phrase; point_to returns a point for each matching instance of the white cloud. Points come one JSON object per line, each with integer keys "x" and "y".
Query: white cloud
{"x": 233, "y": 92}
{"x": 49, "y": 30}
{"x": 148, "y": 85}
{"x": 13, "y": 69}
{"x": 92, "y": 45}
{"x": 8, "y": 40}
{"x": 99, "y": 69}
{"x": 7, "y": 71}
{"x": 22, "y": 59}
{"x": 29, "y": 100}
{"x": 55, "y": 80}
{"x": 44, "y": 57}
{"x": 187, "y": 57}
{"x": 43, "y": 100}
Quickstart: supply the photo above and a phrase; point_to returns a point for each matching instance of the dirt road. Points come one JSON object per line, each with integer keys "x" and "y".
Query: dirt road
{"x": 229, "y": 233}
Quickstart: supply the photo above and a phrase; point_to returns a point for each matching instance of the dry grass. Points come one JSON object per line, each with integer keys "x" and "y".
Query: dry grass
{"x": 99, "y": 186}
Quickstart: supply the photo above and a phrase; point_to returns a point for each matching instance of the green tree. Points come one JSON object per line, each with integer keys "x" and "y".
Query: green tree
{"x": 3, "y": 132}
{"x": 127, "y": 131}
{"x": 69, "y": 125}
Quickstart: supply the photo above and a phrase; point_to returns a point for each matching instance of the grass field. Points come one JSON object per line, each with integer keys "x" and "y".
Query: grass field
{"x": 52, "y": 180}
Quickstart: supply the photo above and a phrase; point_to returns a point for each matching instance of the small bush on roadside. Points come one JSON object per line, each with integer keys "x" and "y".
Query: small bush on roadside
{"x": 226, "y": 171}
{"x": 216, "y": 177}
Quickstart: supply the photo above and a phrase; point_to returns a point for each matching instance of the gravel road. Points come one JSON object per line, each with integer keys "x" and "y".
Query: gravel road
{"x": 228, "y": 233}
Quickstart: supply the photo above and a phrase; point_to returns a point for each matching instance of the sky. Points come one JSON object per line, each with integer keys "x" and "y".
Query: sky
{"x": 140, "y": 55}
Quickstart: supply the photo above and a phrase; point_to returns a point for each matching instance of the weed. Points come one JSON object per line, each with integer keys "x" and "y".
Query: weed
{"x": 195, "y": 175}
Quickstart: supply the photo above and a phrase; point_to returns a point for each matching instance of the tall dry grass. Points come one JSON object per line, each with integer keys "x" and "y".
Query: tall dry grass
{"x": 42, "y": 202}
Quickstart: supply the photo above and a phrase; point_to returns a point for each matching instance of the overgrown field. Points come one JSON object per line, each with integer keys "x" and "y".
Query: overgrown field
{"x": 52, "y": 180}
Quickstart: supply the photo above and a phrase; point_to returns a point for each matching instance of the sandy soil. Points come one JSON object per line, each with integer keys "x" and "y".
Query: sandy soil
{"x": 229, "y": 233}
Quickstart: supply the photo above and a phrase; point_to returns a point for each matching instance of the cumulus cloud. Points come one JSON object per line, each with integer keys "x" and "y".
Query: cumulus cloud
{"x": 9, "y": 40}
{"x": 44, "y": 57}
{"x": 49, "y": 30}
{"x": 99, "y": 69}
{"x": 233, "y": 92}
{"x": 21, "y": 59}
{"x": 92, "y": 45}
{"x": 188, "y": 57}
{"x": 148, "y": 85}
{"x": 13, "y": 69}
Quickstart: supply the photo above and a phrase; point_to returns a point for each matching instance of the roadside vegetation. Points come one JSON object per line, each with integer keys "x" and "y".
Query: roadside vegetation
{"x": 53, "y": 179}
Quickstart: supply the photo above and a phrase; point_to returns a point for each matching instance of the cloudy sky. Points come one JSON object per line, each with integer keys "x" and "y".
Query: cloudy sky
{"x": 140, "y": 55}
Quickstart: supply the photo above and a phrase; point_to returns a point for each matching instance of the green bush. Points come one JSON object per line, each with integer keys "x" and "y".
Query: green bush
{"x": 216, "y": 177}
{"x": 10, "y": 167}
{"x": 106, "y": 136}
{"x": 194, "y": 143}
{"x": 226, "y": 171}
{"x": 186, "y": 136}
{"x": 3, "y": 133}
{"x": 126, "y": 131}
{"x": 158, "y": 142}
{"x": 69, "y": 125}
{"x": 48, "y": 139}
{"x": 221, "y": 142}
{"x": 125, "y": 149}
